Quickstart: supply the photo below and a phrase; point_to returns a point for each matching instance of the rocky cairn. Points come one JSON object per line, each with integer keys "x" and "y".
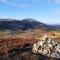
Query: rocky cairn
{"x": 48, "y": 47}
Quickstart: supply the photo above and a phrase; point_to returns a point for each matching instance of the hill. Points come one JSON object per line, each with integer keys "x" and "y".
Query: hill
{"x": 21, "y": 24}
{"x": 24, "y": 24}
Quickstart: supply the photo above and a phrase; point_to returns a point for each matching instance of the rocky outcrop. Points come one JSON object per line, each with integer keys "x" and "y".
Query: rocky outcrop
{"x": 48, "y": 47}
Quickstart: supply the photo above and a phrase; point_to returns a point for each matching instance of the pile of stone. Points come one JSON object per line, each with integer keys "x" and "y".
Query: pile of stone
{"x": 48, "y": 47}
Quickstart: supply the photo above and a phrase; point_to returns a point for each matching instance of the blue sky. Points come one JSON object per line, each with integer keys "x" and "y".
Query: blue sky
{"x": 47, "y": 11}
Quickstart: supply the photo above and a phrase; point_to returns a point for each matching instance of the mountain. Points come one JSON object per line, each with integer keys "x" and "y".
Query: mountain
{"x": 13, "y": 24}
{"x": 21, "y": 24}
{"x": 54, "y": 27}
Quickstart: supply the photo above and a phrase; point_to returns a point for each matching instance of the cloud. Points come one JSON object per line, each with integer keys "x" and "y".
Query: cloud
{"x": 55, "y": 1}
{"x": 35, "y": 0}
{"x": 15, "y": 3}
{"x": 22, "y": 5}
{"x": 19, "y": 3}
{"x": 57, "y": 12}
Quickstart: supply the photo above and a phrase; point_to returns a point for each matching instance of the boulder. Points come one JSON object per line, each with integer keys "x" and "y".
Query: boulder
{"x": 48, "y": 47}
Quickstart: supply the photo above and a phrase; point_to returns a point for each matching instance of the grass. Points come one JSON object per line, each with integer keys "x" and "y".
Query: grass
{"x": 57, "y": 33}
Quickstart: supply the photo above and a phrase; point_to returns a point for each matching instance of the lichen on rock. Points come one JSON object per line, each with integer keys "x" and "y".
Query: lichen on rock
{"x": 48, "y": 47}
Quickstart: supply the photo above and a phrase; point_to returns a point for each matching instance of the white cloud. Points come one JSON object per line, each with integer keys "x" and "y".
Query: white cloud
{"x": 15, "y": 3}
{"x": 35, "y": 0}
{"x": 56, "y": 12}
{"x": 4, "y": 1}
{"x": 19, "y": 3}
{"x": 23, "y": 5}
{"x": 55, "y": 1}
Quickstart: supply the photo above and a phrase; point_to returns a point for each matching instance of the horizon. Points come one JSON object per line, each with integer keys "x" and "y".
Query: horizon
{"x": 12, "y": 19}
{"x": 46, "y": 11}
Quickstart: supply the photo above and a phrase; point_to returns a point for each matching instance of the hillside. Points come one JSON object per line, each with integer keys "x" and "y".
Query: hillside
{"x": 18, "y": 36}
{"x": 21, "y": 24}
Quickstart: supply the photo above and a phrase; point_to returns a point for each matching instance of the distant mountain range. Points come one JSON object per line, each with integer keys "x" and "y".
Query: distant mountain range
{"x": 24, "y": 24}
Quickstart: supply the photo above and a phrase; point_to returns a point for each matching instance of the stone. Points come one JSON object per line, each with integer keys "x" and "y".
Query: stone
{"x": 48, "y": 47}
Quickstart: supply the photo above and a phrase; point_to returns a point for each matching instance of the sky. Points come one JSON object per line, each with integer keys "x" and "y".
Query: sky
{"x": 46, "y": 11}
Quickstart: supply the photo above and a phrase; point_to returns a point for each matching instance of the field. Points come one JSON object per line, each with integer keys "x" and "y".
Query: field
{"x": 13, "y": 43}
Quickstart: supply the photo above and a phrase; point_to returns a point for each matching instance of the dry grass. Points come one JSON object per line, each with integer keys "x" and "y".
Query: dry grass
{"x": 10, "y": 39}
{"x": 17, "y": 39}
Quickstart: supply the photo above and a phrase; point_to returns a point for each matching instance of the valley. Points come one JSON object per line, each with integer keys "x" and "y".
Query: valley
{"x": 18, "y": 37}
